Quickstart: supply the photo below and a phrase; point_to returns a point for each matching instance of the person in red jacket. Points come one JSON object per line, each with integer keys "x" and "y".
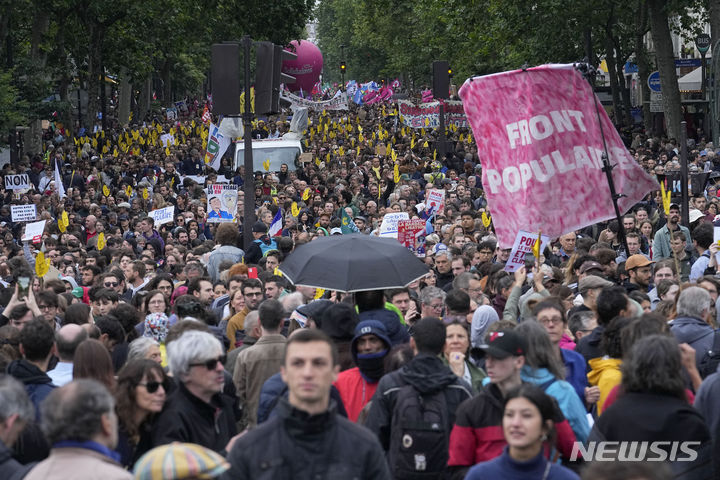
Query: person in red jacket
{"x": 477, "y": 435}
{"x": 369, "y": 347}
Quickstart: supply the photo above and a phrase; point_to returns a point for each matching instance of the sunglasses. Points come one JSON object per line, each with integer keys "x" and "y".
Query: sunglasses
{"x": 152, "y": 387}
{"x": 110, "y": 284}
{"x": 210, "y": 364}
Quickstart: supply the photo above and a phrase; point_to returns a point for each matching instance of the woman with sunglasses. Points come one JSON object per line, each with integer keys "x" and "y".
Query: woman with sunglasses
{"x": 140, "y": 395}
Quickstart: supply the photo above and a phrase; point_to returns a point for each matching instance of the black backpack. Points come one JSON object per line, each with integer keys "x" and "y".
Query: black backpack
{"x": 711, "y": 359}
{"x": 419, "y": 438}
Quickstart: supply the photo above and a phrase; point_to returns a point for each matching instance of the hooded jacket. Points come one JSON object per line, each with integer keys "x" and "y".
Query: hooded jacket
{"x": 605, "y": 374}
{"x": 572, "y": 407}
{"x": 427, "y": 374}
{"x": 695, "y": 332}
{"x": 396, "y": 331}
{"x": 38, "y": 384}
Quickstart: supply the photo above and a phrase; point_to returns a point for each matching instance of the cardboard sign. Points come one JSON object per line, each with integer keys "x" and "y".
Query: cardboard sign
{"x": 163, "y": 215}
{"x": 381, "y": 150}
{"x": 17, "y": 182}
{"x": 435, "y": 201}
{"x": 306, "y": 158}
{"x": 221, "y": 203}
{"x": 523, "y": 245}
{"x": 389, "y": 226}
{"x": 23, "y": 213}
{"x": 34, "y": 231}
{"x": 411, "y": 234}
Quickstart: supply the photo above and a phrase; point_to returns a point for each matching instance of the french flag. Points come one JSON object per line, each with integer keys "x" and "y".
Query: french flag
{"x": 277, "y": 225}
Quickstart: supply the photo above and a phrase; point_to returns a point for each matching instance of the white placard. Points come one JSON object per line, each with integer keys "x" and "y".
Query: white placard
{"x": 163, "y": 215}
{"x": 523, "y": 245}
{"x": 17, "y": 182}
{"x": 23, "y": 213}
{"x": 221, "y": 203}
{"x": 167, "y": 139}
{"x": 34, "y": 231}
{"x": 389, "y": 226}
{"x": 435, "y": 201}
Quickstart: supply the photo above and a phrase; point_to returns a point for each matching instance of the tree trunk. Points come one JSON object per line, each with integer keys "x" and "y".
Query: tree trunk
{"x": 63, "y": 87}
{"x": 642, "y": 63}
{"x": 167, "y": 87}
{"x": 713, "y": 8}
{"x": 93, "y": 81}
{"x": 40, "y": 25}
{"x": 665, "y": 58}
{"x": 145, "y": 100}
{"x": 612, "y": 69}
{"x": 124, "y": 96}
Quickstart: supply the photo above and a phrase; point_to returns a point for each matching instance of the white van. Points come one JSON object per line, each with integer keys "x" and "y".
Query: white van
{"x": 277, "y": 150}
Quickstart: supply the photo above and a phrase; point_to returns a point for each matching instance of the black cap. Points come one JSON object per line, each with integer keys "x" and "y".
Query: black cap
{"x": 259, "y": 227}
{"x": 504, "y": 343}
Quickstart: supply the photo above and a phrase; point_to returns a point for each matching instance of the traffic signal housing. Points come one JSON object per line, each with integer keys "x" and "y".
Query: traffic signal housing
{"x": 269, "y": 76}
{"x": 441, "y": 79}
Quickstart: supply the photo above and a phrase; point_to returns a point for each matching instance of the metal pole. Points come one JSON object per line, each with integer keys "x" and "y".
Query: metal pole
{"x": 685, "y": 200}
{"x": 442, "y": 147}
{"x": 249, "y": 177}
{"x": 79, "y": 109}
{"x": 705, "y": 104}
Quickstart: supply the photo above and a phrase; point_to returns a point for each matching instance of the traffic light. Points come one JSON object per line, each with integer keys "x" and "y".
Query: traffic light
{"x": 441, "y": 79}
{"x": 268, "y": 76}
{"x": 450, "y": 73}
{"x": 225, "y": 78}
{"x": 342, "y": 67}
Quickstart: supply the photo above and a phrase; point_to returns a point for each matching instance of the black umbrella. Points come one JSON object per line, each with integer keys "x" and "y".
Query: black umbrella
{"x": 353, "y": 263}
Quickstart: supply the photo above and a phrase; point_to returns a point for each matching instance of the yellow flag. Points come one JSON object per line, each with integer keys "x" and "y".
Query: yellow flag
{"x": 65, "y": 219}
{"x": 306, "y": 194}
{"x": 412, "y": 142}
{"x": 277, "y": 272}
{"x": 341, "y": 151}
{"x": 129, "y": 191}
{"x": 486, "y": 219}
{"x": 294, "y": 209}
{"x": 537, "y": 245}
{"x": 106, "y": 191}
{"x": 665, "y": 198}
{"x": 426, "y": 144}
{"x": 145, "y": 193}
{"x": 319, "y": 292}
{"x": 101, "y": 241}
{"x": 167, "y": 151}
{"x": 266, "y": 164}
{"x": 41, "y": 265}
{"x": 61, "y": 225}
{"x": 327, "y": 157}
{"x": 396, "y": 173}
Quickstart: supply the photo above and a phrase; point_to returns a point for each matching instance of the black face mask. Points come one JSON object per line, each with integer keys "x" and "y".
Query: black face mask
{"x": 372, "y": 365}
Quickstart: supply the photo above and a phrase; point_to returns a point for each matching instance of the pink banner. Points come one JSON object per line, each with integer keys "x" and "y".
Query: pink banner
{"x": 539, "y": 140}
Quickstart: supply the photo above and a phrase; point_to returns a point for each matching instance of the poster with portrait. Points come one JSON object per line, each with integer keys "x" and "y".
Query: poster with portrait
{"x": 221, "y": 203}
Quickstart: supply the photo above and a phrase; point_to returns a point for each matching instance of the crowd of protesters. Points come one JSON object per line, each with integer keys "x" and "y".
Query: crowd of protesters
{"x": 177, "y": 343}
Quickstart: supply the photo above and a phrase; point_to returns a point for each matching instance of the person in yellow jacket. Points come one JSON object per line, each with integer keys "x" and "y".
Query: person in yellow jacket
{"x": 605, "y": 371}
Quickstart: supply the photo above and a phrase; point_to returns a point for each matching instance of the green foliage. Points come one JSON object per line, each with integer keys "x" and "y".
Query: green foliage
{"x": 12, "y": 109}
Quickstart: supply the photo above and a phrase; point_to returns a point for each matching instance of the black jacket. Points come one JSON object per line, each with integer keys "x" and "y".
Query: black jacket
{"x": 427, "y": 373}
{"x": 11, "y": 469}
{"x": 38, "y": 384}
{"x": 649, "y": 417}
{"x": 294, "y": 444}
{"x": 188, "y": 419}
{"x": 589, "y": 345}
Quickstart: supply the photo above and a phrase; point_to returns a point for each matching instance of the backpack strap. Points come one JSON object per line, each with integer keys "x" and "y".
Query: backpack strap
{"x": 546, "y": 385}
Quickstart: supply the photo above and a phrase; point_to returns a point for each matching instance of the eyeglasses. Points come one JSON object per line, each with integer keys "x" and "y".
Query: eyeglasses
{"x": 110, "y": 284}
{"x": 152, "y": 387}
{"x": 254, "y": 294}
{"x": 551, "y": 321}
{"x": 45, "y": 307}
{"x": 210, "y": 364}
{"x": 436, "y": 307}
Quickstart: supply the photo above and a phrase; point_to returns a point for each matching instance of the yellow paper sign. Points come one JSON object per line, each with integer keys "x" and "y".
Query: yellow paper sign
{"x": 41, "y": 265}
{"x": 266, "y": 164}
{"x": 486, "y": 219}
{"x": 129, "y": 191}
{"x": 65, "y": 219}
{"x": 101, "y": 241}
{"x": 145, "y": 193}
{"x": 294, "y": 209}
{"x": 306, "y": 194}
{"x": 319, "y": 292}
{"x": 106, "y": 191}
{"x": 61, "y": 225}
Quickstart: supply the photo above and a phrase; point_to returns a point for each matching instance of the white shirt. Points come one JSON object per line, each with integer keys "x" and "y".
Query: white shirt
{"x": 61, "y": 374}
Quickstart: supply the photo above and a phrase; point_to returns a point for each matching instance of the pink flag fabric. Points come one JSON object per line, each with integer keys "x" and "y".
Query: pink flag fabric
{"x": 539, "y": 141}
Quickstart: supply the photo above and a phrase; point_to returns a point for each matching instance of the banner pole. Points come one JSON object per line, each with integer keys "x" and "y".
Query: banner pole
{"x": 588, "y": 72}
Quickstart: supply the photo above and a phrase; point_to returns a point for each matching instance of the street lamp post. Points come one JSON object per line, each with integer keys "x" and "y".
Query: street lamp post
{"x": 343, "y": 66}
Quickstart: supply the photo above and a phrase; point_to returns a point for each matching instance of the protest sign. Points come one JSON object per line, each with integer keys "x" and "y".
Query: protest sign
{"x": 216, "y": 146}
{"x": 23, "y": 213}
{"x": 411, "y": 233}
{"x": 389, "y": 226}
{"x": 34, "y": 231}
{"x": 222, "y": 203}
{"x": 523, "y": 245}
{"x": 539, "y": 138}
{"x": 17, "y": 182}
{"x": 167, "y": 139}
{"x": 337, "y": 103}
{"x": 427, "y": 115}
{"x": 435, "y": 201}
{"x": 163, "y": 215}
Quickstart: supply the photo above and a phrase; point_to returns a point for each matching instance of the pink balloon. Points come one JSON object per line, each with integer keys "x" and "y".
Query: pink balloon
{"x": 306, "y": 68}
